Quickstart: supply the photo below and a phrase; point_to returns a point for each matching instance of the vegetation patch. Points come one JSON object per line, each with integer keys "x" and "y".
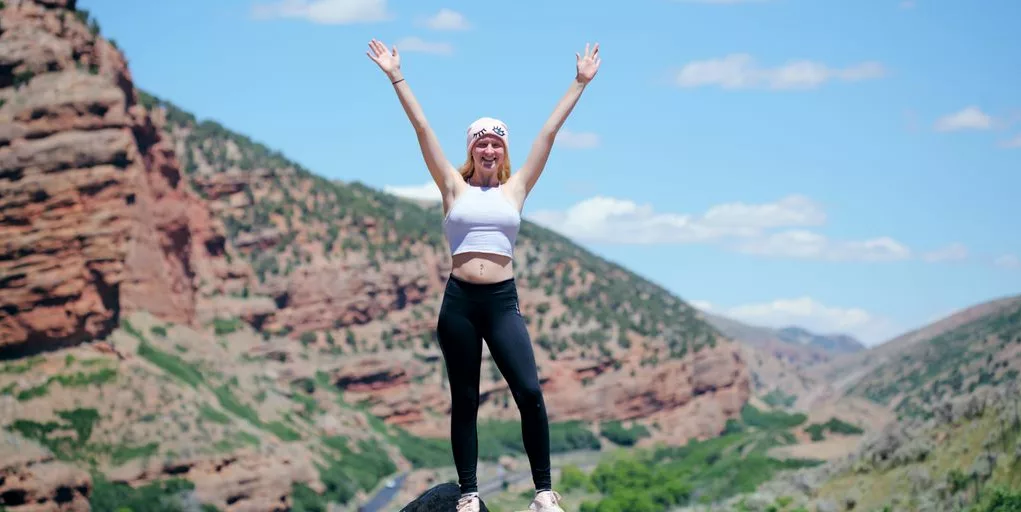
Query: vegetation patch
{"x": 817, "y": 431}
{"x": 963, "y": 458}
{"x": 345, "y": 472}
{"x": 74, "y": 380}
{"x": 69, "y": 439}
{"x": 616, "y": 433}
{"x": 699, "y": 472}
{"x": 779, "y": 399}
{"x": 169, "y": 495}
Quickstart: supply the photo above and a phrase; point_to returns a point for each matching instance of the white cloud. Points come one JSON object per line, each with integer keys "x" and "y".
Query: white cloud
{"x": 1014, "y": 142}
{"x": 740, "y": 71}
{"x": 952, "y": 252}
{"x": 415, "y": 44}
{"x": 577, "y": 140}
{"x": 331, "y": 12}
{"x": 802, "y": 244}
{"x": 969, "y": 118}
{"x": 811, "y": 314}
{"x": 793, "y": 210}
{"x": 746, "y": 228}
{"x": 1008, "y": 261}
{"x": 427, "y": 191}
{"x": 737, "y": 226}
{"x": 611, "y": 220}
{"x": 447, "y": 19}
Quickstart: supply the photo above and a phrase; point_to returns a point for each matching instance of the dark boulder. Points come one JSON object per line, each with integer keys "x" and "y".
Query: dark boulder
{"x": 440, "y": 498}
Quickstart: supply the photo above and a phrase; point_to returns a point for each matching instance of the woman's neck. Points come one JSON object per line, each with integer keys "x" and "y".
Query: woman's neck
{"x": 479, "y": 181}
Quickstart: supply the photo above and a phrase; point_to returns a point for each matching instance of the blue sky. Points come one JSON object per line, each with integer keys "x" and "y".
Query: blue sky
{"x": 847, "y": 166}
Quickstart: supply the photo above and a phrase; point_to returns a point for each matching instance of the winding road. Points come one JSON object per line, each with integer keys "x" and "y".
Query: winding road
{"x": 384, "y": 495}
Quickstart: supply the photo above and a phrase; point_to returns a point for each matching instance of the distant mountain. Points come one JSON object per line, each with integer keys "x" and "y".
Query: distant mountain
{"x": 793, "y": 344}
{"x": 835, "y": 343}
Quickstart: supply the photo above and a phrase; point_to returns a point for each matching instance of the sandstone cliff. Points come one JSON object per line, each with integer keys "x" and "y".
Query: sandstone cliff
{"x": 97, "y": 219}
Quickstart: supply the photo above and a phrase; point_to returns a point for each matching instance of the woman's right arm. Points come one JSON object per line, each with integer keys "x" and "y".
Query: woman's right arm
{"x": 439, "y": 167}
{"x": 442, "y": 171}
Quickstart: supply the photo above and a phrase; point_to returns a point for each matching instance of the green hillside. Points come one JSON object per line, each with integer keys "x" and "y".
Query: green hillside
{"x": 599, "y": 305}
{"x": 956, "y": 444}
{"x": 965, "y": 457}
{"x": 983, "y": 352}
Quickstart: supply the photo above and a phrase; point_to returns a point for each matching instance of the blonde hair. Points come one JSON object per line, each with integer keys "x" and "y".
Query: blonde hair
{"x": 467, "y": 169}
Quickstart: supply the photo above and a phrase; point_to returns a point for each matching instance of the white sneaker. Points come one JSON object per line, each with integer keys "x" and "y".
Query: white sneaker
{"x": 546, "y": 501}
{"x": 469, "y": 503}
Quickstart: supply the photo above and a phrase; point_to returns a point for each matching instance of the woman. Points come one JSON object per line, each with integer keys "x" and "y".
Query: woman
{"x": 482, "y": 203}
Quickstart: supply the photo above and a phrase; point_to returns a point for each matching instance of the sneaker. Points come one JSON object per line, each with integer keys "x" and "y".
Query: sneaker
{"x": 468, "y": 503}
{"x": 546, "y": 501}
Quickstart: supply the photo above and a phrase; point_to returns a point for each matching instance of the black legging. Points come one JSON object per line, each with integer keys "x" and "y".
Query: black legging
{"x": 469, "y": 313}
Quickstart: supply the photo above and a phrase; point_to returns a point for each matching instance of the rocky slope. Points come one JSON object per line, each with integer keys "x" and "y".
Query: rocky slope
{"x": 980, "y": 352}
{"x": 964, "y": 455}
{"x": 951, "y": 433}
{"x": 179, "y": 301}
{"x": 973, "y": 339}
{"x": 96, "y": 216}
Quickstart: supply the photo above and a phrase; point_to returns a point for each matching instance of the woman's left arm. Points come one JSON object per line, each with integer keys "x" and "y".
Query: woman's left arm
{"x": 523, "y": 181}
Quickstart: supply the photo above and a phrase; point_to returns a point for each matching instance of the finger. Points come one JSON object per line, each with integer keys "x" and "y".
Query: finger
{"x": 577, "y": 57}
{"x": 395, "y": 54}
{"x": 586, "y": 49}
{"x": 595, "y": 50}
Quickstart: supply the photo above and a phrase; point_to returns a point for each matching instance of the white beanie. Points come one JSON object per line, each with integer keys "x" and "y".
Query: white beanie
{"x": 486, "y": 126}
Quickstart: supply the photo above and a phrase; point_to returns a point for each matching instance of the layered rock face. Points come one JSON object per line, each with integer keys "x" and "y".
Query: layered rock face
{"x": 32, "y": 481}
{"x": 96, "y": 216}
{"x": 689, "y": 397}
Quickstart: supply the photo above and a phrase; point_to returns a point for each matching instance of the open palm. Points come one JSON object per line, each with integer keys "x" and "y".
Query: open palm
{"x": 389, "y": 62}
{"x": 588, "y": 64}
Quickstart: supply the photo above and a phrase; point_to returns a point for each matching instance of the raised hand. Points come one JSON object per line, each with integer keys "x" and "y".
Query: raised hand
{"x": 588, "y": 64}
{"x": 389, "y": 62}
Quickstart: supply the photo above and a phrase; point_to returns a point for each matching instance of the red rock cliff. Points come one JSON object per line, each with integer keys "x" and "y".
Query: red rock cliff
{"x": 95, "y": 216}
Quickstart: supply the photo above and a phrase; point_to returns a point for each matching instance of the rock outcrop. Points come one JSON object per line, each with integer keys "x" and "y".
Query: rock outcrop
{"x": 31, "y": 480}
{"x": 689, "y": 397}
{"x": 317, "y": 297}
{"x": 241, "y": 482}
{"x": 97, "y": 217}
{"x": 441, "y": 498}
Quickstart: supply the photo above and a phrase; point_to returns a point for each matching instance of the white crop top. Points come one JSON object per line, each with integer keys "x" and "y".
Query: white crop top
{"x": 482, "y": 220}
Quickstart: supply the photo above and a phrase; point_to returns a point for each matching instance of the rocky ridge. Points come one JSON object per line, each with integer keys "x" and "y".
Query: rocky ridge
{"x": 96, "y": 216}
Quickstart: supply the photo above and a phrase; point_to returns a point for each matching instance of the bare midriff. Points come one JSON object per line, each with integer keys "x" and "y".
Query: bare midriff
{"x": 482, "y": 268}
